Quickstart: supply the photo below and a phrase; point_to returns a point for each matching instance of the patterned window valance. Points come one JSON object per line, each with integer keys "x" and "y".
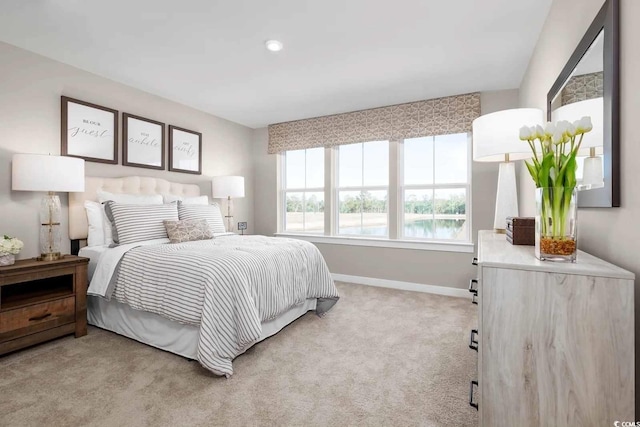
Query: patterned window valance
{"x": 441, "y": 116}
{"x": 583, "y": 87}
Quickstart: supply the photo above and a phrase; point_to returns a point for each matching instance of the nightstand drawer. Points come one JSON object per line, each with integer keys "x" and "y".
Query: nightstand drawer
{"x": 37, "y": 317}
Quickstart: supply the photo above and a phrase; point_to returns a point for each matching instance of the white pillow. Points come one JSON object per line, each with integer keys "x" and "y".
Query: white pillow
{"x": 95, "y": 219}
{"x": 130, "y": 199}
{"x": 107, "y": 228}
{"x": 199, "y": 200}
{"x": 125, "y": 199}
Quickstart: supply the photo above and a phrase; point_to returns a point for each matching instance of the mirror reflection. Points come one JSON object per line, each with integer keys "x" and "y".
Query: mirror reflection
{"x": 582, "y": 95}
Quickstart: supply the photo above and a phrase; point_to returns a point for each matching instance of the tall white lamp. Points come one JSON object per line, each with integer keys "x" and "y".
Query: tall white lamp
{"x": 496, "y": 139}
{"x": 592, "y": 143}
{"x": 227, "y": 187}
{"x": 37, "y": 172}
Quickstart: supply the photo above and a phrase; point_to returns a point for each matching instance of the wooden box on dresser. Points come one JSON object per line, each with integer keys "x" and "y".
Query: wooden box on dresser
{"x": 42, "y": 300}
{"x": 555, "y": 340}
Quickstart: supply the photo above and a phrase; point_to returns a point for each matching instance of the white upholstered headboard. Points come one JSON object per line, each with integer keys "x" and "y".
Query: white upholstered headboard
{"x": 78, "y": 226}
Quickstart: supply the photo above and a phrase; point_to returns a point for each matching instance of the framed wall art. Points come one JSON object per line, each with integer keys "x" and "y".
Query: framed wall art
{"x": 185, "y": 150}
{"x": 89, "y": 131}
{"x": 142, "y": 142}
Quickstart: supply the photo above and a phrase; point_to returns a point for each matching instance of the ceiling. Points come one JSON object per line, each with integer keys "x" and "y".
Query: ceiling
{"x": 338, "y": 55}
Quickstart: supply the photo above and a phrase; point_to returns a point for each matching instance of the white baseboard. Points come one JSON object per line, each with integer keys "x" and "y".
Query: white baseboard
{"x": 405, "y": 286}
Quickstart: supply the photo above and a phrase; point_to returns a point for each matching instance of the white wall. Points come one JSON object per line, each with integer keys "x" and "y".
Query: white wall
{"x": 426, "y": 267}
{"x": 612, "y": 234}
{"x": 30, "y": 90}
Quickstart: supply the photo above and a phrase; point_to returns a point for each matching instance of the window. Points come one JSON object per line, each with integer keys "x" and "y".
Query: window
{"x": 304, "y": 191}
{"x": 435, "y": 188}
{"x": 362, "y": 189}
{"x": 414, "y": 190}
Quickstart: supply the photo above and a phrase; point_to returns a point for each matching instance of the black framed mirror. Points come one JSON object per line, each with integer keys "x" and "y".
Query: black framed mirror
{"x": 589, "y": 84}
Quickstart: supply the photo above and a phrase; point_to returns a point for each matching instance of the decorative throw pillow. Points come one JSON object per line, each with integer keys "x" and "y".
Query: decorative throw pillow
{"x": 136, "y": 223}
{"x": 209, "y": 212}
{"x": 188, "y": 230}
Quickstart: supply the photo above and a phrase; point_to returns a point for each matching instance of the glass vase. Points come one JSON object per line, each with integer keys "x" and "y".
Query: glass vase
{"x": 556, "y": 224}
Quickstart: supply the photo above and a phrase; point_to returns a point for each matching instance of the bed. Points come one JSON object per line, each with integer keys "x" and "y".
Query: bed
{"x": 237, "y": 290}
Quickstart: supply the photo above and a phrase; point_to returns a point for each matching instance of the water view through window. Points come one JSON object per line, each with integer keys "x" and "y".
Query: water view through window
{"x": 433, "y": 189}
{"x": 438, "y": 214}
{"x": 363, "y": 212}
{"x": 435, "y": 192}
{"x": 363, "y": 177}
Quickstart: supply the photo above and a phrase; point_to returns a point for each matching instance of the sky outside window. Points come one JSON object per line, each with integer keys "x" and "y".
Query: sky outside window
{"x": 372, "y": 156}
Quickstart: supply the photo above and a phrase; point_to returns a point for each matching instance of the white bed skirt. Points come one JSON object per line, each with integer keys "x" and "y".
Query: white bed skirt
{"x": 162, "y": 333}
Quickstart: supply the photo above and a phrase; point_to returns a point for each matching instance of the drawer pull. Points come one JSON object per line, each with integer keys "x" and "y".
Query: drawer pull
{"x": 473, "y": 342}
{"x": 474, "y": 298}
{"x": 474, "y": 261}
{"x": 473, "y": 289}
{"x": 36, "y": 318}
{"x": 471, "y": 402}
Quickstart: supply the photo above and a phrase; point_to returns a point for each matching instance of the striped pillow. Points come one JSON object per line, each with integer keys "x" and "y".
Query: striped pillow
{"x": 135, "y": 223}
{"x": 209, "y": 212}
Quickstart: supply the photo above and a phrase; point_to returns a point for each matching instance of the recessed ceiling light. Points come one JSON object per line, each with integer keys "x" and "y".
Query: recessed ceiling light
{"x": 273, "y": 45}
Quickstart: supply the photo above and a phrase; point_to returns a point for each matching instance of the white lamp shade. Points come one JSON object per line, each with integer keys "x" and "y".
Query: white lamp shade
{"x": 593, "y": 108}
{"x": 227, "y": 186}
{"x": 497, "y": 134}
{"x": 41, "y": 172}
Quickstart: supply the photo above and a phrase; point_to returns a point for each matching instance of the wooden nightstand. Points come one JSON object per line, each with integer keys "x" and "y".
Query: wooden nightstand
{"x": 42, "y": 300}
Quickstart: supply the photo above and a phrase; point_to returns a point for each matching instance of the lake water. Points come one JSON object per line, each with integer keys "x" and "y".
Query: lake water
{"x": 440, "y": 229}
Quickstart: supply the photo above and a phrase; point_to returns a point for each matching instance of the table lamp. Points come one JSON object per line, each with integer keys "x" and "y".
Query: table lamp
{"x": 592, "y": 143}
{"x": 496, "y": 139}
{"x": 226, "y": 187}
{"x": 51, "y": 174}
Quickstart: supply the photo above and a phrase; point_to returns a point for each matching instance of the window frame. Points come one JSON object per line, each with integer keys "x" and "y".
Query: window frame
{"x": 282, "y": 204}
{"x": 335, "y": 232}
{"x": 445, "y": 186}
{"x": 395, "y": 192}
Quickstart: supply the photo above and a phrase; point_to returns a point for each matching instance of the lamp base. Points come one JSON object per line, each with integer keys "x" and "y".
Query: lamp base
{"x": 229, "y": 224}
{"x": 592, "y": 174}
{"x": 506, "y": 196}
{"x": 50, "y": 232}
{"x": 51, "y": 256}
{"x": 229, "y": 215}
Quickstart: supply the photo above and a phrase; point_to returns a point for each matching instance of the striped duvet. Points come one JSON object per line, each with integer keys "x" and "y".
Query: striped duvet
{"x": 228, "y": 286}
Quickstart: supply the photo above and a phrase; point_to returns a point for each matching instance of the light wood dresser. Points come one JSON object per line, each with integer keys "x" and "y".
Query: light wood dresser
{"x": 555, "y": 341}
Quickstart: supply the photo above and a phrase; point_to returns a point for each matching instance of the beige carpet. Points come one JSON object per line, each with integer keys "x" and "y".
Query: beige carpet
{"x": 380, "y": 357}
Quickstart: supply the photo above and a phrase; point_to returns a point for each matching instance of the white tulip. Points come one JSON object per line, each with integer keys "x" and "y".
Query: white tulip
{"x": 576, "y": 124}
{"x": 584, "y": 125}
{"x": 525, "y": 133}
{"x": 571, "y": 130}
{"x": 549, "y": 129}
{"x": 562, "y": 126}
{"x": 558, "y": 137}
{"x": 538, "y": 131}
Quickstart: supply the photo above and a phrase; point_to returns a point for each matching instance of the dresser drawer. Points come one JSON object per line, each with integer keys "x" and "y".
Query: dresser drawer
{"x": 37, "y": 317}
